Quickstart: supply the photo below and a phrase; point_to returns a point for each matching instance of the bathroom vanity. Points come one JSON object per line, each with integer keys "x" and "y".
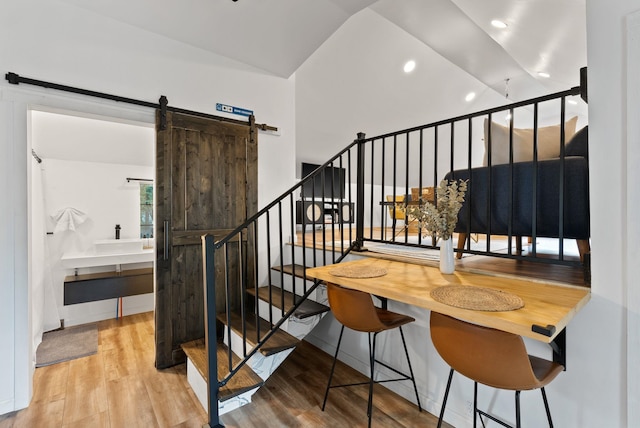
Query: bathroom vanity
{"x": 107, "y": 285}
{"x": 89, "y": 287}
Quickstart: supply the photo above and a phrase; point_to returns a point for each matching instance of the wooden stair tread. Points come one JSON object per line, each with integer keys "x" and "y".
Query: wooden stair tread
{"x": 279, "y": 341}
{"x": 244, "y": 380}
{"x": 296, "y": 270}
{"x": 307, "y": 308}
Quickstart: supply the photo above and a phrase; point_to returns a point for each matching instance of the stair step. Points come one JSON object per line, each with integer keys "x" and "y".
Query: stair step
{"x": 243, "y": 381}
{"x": 296, "y": 270}
{"x": 307, "y": 309}
{"x": 280, "y": 341}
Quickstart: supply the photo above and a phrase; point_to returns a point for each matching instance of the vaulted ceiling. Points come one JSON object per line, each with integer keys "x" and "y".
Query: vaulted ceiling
{"x": 278, "y": 36}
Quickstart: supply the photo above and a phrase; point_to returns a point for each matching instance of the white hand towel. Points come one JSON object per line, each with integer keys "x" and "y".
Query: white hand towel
{"x": 68, "y": 219}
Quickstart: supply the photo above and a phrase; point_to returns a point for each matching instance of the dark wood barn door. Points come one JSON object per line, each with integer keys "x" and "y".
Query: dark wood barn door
{"x": 206, "y": 183}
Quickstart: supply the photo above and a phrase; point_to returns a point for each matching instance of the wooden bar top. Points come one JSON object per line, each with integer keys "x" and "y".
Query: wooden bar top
{"x": 544, "y": 304}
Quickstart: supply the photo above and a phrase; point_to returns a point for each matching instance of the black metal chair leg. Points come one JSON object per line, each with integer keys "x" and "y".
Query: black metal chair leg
{"x": 413, "y": 379}
{"x": 546, "y": 407}
{"x": 372, "y": 360}
{"x": 517, "y": 409}
{"x": 475, "y": 405}
{"x": 333, "y": 366}
{"x": 444, "y": 401}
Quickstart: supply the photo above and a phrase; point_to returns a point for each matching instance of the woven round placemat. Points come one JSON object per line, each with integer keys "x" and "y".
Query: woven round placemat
{"x": 476, "y": 298}
{"x": 348, "y": 271}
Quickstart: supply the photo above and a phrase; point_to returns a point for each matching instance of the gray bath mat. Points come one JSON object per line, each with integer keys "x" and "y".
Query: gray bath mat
{"x": 67, "y": 344}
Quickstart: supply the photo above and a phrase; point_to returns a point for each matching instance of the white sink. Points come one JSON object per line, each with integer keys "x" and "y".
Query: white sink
{"x": 91, "y": 260}
{"x": 119, "y": 246}
{"x": 111, "y": 252}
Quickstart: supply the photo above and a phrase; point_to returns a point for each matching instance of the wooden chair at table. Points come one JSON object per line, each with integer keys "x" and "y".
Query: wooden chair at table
{"x": 398, "y": 211}
{"x": 491, "y": 357}
{"x": 355, "y": 309}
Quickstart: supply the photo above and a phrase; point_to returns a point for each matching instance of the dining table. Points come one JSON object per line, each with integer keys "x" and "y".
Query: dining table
{"x": 546, "y": 308}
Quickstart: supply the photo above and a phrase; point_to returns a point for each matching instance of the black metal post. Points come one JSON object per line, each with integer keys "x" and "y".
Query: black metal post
{"x": 559, "y": 348}
{"x": 358, "y": 244}
{"x": 209, "y": 282}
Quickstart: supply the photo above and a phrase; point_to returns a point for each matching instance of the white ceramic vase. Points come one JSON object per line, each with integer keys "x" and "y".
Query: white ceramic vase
{"x": 447, "y": 262}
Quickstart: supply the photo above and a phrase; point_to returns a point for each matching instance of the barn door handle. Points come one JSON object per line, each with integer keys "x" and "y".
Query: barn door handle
{"x": 166, "y": 239}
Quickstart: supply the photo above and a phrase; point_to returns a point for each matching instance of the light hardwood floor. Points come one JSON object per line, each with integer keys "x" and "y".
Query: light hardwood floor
{"x": 119, "y": 387}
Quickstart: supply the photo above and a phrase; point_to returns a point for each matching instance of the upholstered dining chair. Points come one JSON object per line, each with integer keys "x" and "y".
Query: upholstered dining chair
{"x": 355, "y": 309}
{"x": 491, "y": 357}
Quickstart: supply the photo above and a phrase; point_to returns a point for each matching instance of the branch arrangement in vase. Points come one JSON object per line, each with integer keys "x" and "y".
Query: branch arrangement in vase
{"x": 440, "y": 219}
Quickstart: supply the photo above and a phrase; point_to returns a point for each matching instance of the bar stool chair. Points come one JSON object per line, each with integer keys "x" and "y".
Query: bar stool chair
{"x": 355, "y": 309}
{"x": 491, "y": 357}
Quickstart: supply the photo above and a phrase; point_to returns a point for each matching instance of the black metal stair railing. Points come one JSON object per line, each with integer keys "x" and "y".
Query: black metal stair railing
{"x": 243, "y": 259}
{"x": 402, "y": 162}
{"x": 331, "y": 220}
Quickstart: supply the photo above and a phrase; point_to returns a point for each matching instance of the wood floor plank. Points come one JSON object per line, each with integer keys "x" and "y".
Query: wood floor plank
{"x": 200, "y": 412}
{"x": 169, "y": 398}
{"x": 300, "y": 382}
{"x": 46, "y": 414}
{"x": 100, "y": 420}
{"x": 129, "y": 401}
{"x": 50, "y": 382}
{"x": 86, "y": 390}
{"x": 290, "y": 398}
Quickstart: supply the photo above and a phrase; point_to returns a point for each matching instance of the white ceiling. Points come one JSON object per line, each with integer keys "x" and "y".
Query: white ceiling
{"x": 68, "y": 136}
{"x": 277, "y": 36}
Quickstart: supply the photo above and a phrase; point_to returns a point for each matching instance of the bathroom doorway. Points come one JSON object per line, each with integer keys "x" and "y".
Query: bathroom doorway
{"x": 87, "y": 173}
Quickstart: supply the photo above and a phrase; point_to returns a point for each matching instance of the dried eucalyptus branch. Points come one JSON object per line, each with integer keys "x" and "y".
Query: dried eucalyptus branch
{"x": 441, "y": 219}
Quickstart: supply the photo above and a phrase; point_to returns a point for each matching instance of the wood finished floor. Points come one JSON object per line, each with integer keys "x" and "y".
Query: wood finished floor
{"x": 119, "y": 387}
{"x": 572, "y": 275}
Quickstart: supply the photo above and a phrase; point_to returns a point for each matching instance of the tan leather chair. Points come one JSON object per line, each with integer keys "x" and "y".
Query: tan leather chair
{"x": 355, "y": 309}
{"x": 491, "y": 357}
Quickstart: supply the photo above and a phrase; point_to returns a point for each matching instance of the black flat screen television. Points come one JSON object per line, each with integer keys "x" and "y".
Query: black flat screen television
{"x": 329, "y": 184}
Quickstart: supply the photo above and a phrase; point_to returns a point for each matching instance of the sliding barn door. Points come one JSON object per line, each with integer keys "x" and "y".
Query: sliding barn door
{"x": 206, "y": 183}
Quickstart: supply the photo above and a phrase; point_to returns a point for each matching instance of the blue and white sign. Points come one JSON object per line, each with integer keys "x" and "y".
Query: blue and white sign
{"x": 233, "y": 110}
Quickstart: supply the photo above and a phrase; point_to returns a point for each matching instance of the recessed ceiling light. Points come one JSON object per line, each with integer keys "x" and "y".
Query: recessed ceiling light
{"x": 544, "y": 74}
{"x": 470, "y": 96}
{"x": 409, "y": 66}
{"x": 499, "y": 24}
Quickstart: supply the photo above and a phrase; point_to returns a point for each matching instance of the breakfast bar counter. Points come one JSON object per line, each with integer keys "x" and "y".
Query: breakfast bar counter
{"x": 547, "y": 310}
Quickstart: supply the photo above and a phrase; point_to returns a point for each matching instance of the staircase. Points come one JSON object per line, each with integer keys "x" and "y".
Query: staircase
{"x": 258, "y": 302}
{"x": 272, "y": 301}
{"x": 261, "y": 323}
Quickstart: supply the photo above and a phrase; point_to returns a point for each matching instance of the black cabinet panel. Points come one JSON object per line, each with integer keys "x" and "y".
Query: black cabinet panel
{"x": 107, "y": 285}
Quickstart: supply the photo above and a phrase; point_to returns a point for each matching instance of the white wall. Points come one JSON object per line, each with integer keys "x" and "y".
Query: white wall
{"x": 613, "y": 47}
{"x": 602, "y": 351}
{"x": 53, "y": 41}
{"x": 633, "y": 212}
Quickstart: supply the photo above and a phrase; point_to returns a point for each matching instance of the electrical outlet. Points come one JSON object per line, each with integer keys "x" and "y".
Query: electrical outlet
{"x": 469, "y": 408}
